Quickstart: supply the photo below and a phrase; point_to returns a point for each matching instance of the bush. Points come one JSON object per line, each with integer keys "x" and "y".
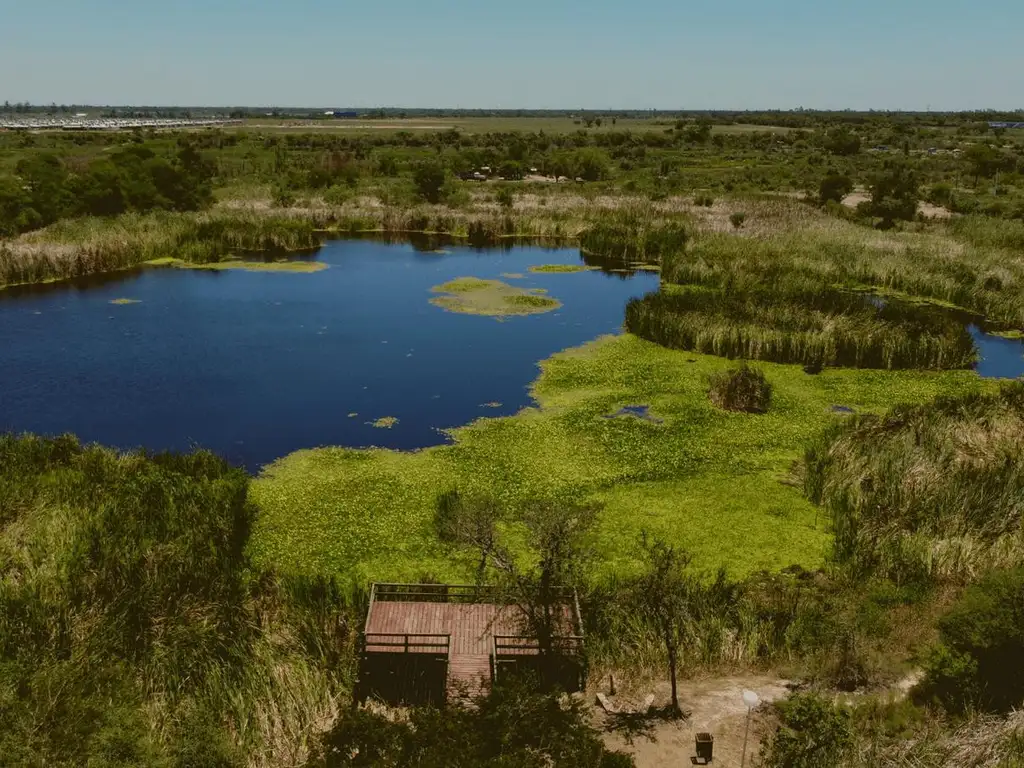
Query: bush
{"x": 429, "y": 178}
{"x": 812, "y": 734}
{"x": 977, "y": 663}
{"x": 737, "y": 219}
{"x": 741, "y": 389}
{"x": 834, "y": 187}
{"x": 703, "y": 200}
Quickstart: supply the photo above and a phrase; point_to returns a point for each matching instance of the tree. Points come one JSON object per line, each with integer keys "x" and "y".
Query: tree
{"x": 977, "y": 661}
{"x": 429, "y": 178}
{"x": 813, "y": 733}
{"x": 842, "y": 141}
{"x": 894, "y": 194}
{"x": 536, "y": 586}
{"x": 512, "y": 727}
{"x": 834, "y": 187}
{"x": 662, "y": 590}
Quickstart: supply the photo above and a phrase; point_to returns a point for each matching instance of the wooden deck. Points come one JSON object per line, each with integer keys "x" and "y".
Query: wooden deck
{"x": 456, "y": 622}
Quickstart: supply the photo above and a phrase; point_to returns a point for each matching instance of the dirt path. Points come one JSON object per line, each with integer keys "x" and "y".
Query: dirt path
{"x": 714, "y": 705}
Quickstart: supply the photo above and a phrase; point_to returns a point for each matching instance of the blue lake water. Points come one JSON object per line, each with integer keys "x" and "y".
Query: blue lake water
{"x": 256, "y": 365}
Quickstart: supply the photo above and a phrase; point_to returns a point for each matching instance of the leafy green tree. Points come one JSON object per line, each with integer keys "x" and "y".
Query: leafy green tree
{"x": 662, "y": 590}
{"x": 977, "y": 662}
{"x": 834, "y": 187}
{"x": 429, "y": 178}
{"x": 44, "y": 177}
{"x": 513, "y": 727}
{"x": 894, "y": 194}
{"x": 813, "y": 733}
{"x": 842, "y": 141}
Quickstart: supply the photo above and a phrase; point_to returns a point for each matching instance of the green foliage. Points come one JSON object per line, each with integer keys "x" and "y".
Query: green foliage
{"x": 737, "y": 219}
{"x": 834, "y": 187}
{"x": 894, "y": 194}
{"x": 743, "y": 389}
{"x": 631, "y": 240}
{"x": 928, "y": 491}
{"x": 505, "y": 197}
{"x": 513, "y": 727}
{"x": 429, "y": 178}
{"x": 812, "y": 327}
{"x": 133, "y": 630}
{"x": 842, "y": 141}
{"x": 976, "y": 664}
{"x": 812, "y": 733}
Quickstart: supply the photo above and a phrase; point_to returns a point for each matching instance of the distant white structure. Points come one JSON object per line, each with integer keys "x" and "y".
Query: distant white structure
{"x": 85, "y": 123}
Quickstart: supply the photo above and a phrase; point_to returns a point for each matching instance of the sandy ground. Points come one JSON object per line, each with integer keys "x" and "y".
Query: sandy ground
{"x": 714, "y": 705}
{"x": 927, "y": 209}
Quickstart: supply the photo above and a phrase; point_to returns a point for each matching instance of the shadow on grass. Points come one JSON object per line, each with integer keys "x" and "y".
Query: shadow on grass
{"x": 634, "y": 725}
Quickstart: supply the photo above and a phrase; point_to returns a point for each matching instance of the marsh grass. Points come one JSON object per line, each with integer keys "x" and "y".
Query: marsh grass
{"x": 129, "y": 611}
{"x": 823, "y": 327}
{"x": 84, "y": 246}
{"x": 930, "y": 491}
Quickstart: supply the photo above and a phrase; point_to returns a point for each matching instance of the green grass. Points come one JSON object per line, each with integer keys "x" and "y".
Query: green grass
{"x": 247, "y": 266}
{"x": 123, "y": 302}
{"x": 710, "y": 481}
{"x": 493, "y": 298}
{"x": 385, "y": 422}
{"x": 561, "y": 268}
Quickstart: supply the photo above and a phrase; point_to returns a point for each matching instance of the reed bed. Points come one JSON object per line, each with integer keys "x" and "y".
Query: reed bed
{"x": 932, "y": 491}
{"x": 814, "y": 328}
{"x": 129, "y": 611}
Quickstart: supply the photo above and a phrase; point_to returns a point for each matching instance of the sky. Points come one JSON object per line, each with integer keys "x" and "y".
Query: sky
{"x": 538, "y": 54}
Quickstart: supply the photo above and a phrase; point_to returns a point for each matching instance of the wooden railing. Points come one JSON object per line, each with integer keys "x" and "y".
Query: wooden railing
{"x": 517, "y": 645}
{"x": 408, "y": 643}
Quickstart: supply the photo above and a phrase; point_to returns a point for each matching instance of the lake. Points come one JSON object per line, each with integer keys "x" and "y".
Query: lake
{"x": 255, "y": 365}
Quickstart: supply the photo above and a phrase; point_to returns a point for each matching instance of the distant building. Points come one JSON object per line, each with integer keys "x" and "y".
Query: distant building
{"x": 1006, "y": 125}
{"x": 340, "y": 114}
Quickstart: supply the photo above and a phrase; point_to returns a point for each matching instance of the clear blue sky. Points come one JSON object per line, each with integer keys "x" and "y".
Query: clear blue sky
{"x": 597, "y": 54}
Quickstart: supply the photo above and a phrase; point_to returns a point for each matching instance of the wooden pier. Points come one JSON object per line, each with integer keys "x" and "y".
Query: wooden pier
{"x": 433, "y": 643}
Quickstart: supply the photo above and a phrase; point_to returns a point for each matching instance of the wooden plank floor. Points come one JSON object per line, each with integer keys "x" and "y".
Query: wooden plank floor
{"x": 472, "y": 627}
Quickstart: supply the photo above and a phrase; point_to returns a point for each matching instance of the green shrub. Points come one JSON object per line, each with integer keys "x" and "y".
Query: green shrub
{"x": 977, "y": 663}
{"x": 741, "y": 389}
{"x": 813, "y": 733}
{"x": 737, "y": 219}
{"x": 429, "y": 178}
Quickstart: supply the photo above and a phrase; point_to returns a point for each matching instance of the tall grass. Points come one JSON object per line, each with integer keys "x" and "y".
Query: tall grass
{"x": 976, "y": 276}
{"x": 125, "y": 578}
{"x": 934, "y": 491}
{"x": 814, "y": 327}
{"x": 631, "y": 238}
{"x": 74, "y": 248}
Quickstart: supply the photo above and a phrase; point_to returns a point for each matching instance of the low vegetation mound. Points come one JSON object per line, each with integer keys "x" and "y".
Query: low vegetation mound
{"x": 933, "y": 490}
{"x": 473, "y": 296}
{"x": 742, "y": 389}
{"x": 814, "y": 328}
{"x": 561, "y": 268}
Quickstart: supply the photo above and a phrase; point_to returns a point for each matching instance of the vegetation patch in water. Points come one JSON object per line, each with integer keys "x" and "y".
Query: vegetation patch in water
{"x": 385, "y": 422}
{"x": 247, "y": 266}
{"x": 473, "y": 296}
{"x": 705, "y": 479}
{"x": 561, "y": 268}
{"x": 123, "y": 302}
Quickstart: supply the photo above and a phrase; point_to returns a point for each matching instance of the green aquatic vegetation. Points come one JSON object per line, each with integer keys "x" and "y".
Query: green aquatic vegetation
{"x": 246, "y": 266}
{"x": 561, "y": 268}
{"x": 705, "y": 479}
{"x": 513, "y": 275}
{"x": 385, "y": 422}
{"x": 474, "y": 296}
{"x": 123, "y": 302}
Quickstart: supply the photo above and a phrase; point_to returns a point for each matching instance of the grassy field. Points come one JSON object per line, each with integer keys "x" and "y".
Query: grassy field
{"x": 717, "y": 483}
